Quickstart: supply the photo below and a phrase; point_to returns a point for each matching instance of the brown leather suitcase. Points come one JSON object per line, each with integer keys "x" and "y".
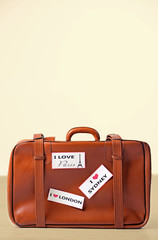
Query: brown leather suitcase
{"x": 79, "y": 184}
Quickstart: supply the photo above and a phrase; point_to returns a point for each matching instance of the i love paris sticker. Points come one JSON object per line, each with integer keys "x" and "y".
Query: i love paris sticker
{"x": 92, "y": 184}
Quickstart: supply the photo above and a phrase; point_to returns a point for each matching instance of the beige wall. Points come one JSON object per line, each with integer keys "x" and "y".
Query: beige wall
{"x": 78, "y": 63}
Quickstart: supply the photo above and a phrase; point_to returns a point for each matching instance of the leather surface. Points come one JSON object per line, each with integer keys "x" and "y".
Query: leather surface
{"x": 98, "y": 212}
{"x": 39, "y": 179}
{"x": 117, "y": 180}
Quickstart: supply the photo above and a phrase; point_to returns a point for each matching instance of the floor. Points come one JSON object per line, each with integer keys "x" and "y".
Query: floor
{"x": 10, "y": 231}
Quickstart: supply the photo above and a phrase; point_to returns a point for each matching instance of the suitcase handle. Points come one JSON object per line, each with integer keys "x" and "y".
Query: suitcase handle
{"x": 75, "y": 130}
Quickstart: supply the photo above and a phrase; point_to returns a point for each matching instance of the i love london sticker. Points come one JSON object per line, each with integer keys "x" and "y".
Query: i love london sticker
{"x": 66, "y": 198}
{"x": 92, "y": 184}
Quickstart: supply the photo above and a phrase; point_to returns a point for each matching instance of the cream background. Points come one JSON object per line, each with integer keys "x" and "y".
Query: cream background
{"x": 78, "y": 63}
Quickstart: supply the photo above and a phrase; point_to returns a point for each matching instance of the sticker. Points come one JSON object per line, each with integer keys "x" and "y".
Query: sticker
{"x": 66, "y": 198}
{"x": 68, "y": 160}
{"x": 92, "y": 184}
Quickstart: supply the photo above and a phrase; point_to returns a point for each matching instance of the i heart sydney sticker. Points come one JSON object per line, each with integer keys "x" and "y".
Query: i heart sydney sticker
{"x": 92, "y": 184}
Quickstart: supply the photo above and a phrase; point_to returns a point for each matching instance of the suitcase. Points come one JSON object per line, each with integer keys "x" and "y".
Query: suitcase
{"x": 79, "y": 184}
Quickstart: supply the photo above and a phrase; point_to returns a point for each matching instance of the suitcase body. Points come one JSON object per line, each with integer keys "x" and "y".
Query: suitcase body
{"x": 122, "y": 202}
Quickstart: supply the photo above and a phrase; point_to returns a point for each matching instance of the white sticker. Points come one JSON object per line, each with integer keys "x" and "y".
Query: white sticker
{"x": 66, "y": 198}
{"x": 92, "y": 184}
{"x": 68, "y": 160}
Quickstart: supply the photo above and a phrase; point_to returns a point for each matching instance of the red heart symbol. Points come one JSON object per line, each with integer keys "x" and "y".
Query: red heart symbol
{"x": 95, "y": 176}
{"x": 55, "y": 195}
